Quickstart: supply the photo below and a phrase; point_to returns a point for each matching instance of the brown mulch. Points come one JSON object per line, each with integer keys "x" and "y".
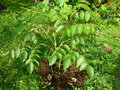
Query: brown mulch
{"x": 59, "y": 78}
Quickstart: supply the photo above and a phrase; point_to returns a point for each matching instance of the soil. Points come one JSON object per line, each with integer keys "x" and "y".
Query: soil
{"x": 59, "y": 78}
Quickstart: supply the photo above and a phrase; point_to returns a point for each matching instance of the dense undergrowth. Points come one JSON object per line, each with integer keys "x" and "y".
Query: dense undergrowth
{"x": 17, "y": 23}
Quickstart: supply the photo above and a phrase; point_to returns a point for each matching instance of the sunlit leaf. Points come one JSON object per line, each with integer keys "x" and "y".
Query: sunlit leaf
{"x": 66, "y": 47}
{"x": 66, "y": 63}
{"x": 57, "y": 22}
{"x": 85, "y": 7}
{"x": 23, "y": 56}
{"x": 59, "y": 56}
{"x": 80, "y": 61}
{"x": 73, "y": 58}
{"x": 82, "y": 41}
{"x": 73, "y": 30}
{"x": 77, "y": 40}
{"x": 52, "y": 60}
{"x": 68, "y": 32}
{"x": 73, "y": 42}
{"x": 76, "y": 54}
{"x": 83, "y": 66}
{"x": 30, "y": 68}
{"x": 62, "y": 51}
{"x": 81, "y": 15}
{"x": 29, "y": 61}
{"x": 12, "y": 54}
{"x": 87, "y": 29}
{"x": 90, "y": 71}
{"x": 79, "y": 29}
{"x": 87, "y": 16}
{"x": 54, "y": 18}
{"x": 59, "y": 29}
{"x": 17, "y": 53}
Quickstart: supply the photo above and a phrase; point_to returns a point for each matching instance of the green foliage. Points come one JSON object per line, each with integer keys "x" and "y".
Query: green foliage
{"x": 67, "y": 37}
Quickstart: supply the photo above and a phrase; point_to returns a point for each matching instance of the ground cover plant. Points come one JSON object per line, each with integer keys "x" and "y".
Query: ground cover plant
{"x": 58, "y": 45}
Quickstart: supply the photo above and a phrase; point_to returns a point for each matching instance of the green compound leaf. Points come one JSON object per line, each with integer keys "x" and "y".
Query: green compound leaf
{"x": 52, "y": 60}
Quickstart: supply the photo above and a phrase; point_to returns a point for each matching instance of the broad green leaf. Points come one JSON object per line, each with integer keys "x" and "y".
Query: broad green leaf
{"x": 57, "y": 22}
{"x": 59, "y": 56}
{"x": 73, "y": 58}
{"x": 30, "y": 68}
{"x": 82, "y": 41}
{"x": 92, "y": 29}
{"x": 87, "y": 29}
{"x": 68, "y": 32}
{"x": 81, "y": 15}
{"x": 73, "y": 42}
{"x": 54, "y": 18}
{"x": 62, "y": 51}
{"x": 52, "y": 13}
{"x": 66, "y": 63}
{"x": 59, "y": 29}
{"x": 73, "y": 30}
{"x": 66, "y": 47}
{"x": 79, "y": 29}
{"x": 66, "y": 56}
{"x": 87, "y": 16}
{"x": 83, "y": 66}
{"x": 85, "y": 7}
{"x": 76, "y": 54}
{"x": 17, "y": 53}
{"x": 52, "y": 60}
{"x": 12, "y": 54}
{"x": 76, "y": 15}
{"x": 90, "y": 71}
{"x": 80, "y": 61}
{"x": 77, "y": 40}
{"x": 23, "y": 56}
{"x": 29, "y": 61}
